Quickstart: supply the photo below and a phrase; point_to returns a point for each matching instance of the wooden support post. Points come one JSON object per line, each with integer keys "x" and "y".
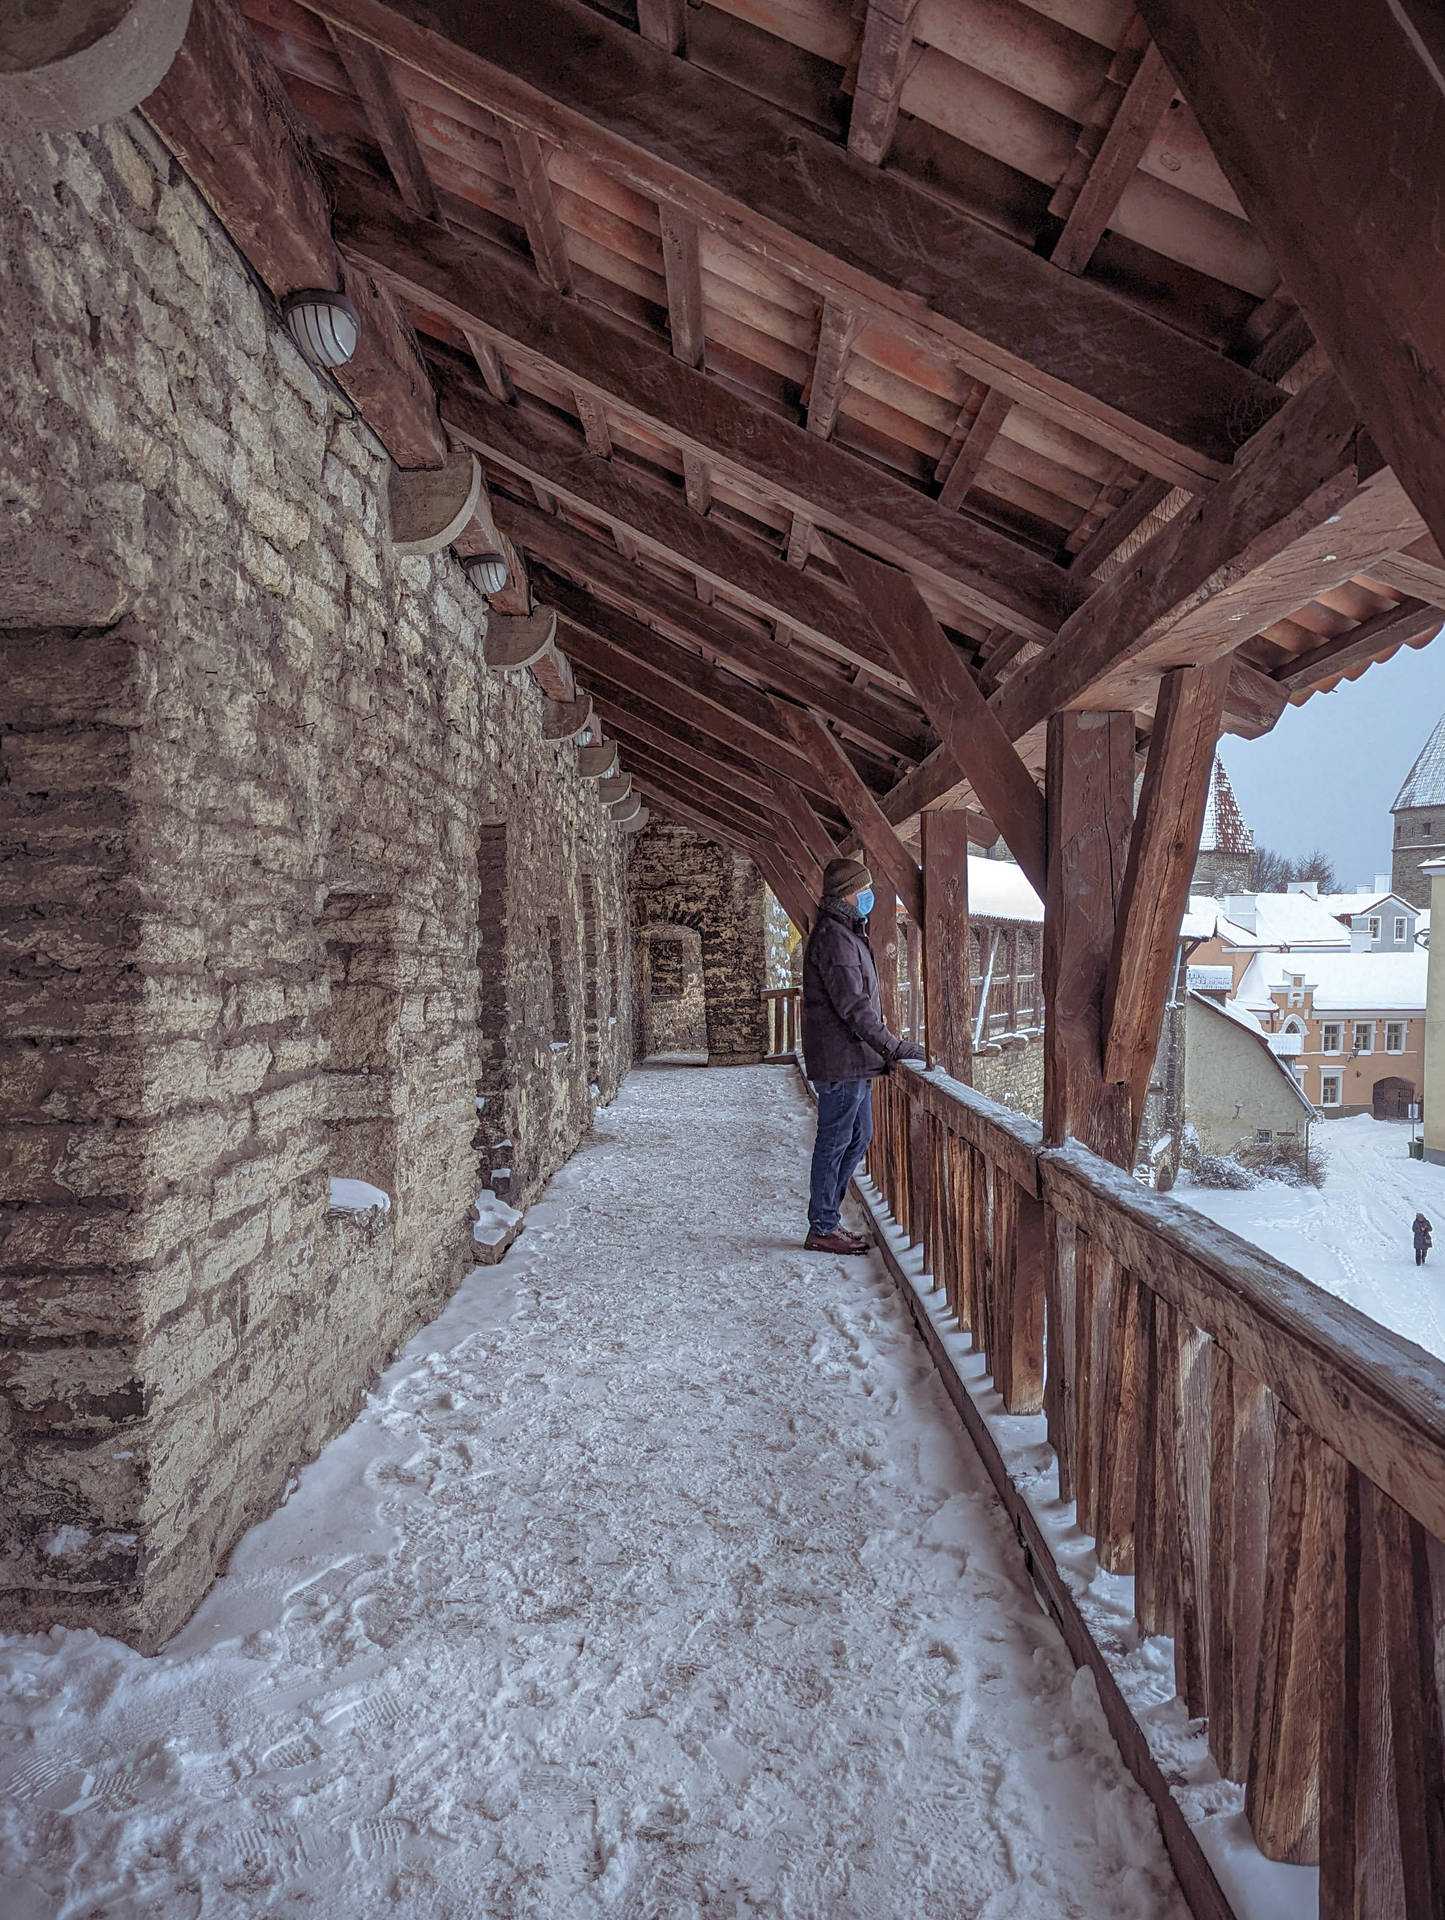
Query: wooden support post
{"x": 947, "y": 963}
{"x": 1241, "y": 1466}
{"x": 1306, "y": 1539}
{"x": 1162, "y": 851}
{"x": 1089, "y": 784}
{"x": 883, "y": 939}
{"x": 896, "y": 865}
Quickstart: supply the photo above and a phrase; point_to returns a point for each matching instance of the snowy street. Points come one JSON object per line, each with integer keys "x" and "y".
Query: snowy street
{"x": 1352, "y": 1236}
{"x": 656, "y": 1580}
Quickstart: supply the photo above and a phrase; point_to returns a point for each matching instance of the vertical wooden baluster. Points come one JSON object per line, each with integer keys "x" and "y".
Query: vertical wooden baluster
{"x": 1382, "y": 1770}
{"x": 1060, "y": 1332}
{"x": 1118, "y": 1425}
{"x": 1153, "y": 1572}
{"x": 1184, "y": 1497}
{"x": 983, "y": 1251}
{"x": 958, "y": 1230}
{"x": 1306, "y": 1537}
{"x": 1241, "y": 1466}
{"x": 1093, "y": 1305}
{"x": 942, "y": 1267}
{"x": 1017, "y": 1357}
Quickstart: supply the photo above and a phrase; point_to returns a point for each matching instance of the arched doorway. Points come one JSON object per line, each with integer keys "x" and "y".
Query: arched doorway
{"x": 1391, "y": 1099}
{"x": 674, "y": 1006}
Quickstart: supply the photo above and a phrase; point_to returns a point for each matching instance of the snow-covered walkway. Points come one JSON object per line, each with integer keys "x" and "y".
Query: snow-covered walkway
{"x": 657, "y": 1580}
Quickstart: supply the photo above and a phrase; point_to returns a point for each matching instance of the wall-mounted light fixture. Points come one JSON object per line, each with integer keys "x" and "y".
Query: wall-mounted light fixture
{"x": 325, "y": 326}
{"x": 488, "y": 571}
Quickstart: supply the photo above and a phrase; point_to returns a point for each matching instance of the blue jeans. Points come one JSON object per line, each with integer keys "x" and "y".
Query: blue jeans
{"x": 845, "y": 1126}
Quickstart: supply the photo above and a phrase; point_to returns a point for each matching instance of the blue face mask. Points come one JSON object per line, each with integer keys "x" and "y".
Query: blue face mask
{"x": 865, "y": 901}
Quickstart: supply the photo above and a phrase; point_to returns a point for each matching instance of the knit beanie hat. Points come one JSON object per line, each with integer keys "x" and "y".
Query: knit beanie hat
{"x": 845, "y": 876}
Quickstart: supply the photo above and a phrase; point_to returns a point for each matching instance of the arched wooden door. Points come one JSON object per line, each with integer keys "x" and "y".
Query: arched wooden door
{"x": 1392, "y": 1098}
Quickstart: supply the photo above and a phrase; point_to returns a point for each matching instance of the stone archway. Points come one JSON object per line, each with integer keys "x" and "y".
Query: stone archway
{"x": 674, "y": 1007}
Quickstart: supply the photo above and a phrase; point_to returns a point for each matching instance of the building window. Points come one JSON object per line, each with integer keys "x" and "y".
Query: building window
{"x": 1426, "y": 829}
{"x": 1364, "y": 1036}
{"x": 1263, "y": 1136}
{"x": 1330, "y": 1037}
{"x": 1399, "y": 928}
{"x": 1374, "y": 926}
{"x": 1394, "y": 1036}
{"x": 1298, "y": 1069}
{"x": 1330, "y": 1089}
{"x": 1296, "y": 999}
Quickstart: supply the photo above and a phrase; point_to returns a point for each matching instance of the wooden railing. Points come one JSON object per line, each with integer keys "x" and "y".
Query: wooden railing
{"x": 1266, "y": 1462}
{"x": 782, "y": 1009}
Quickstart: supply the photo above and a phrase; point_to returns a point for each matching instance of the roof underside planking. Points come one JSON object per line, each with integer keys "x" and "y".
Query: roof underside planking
{"x": 712, "y": 289}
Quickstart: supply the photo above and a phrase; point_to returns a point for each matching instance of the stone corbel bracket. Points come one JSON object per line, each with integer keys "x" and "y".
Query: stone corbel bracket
{"x": 565, "y": 719}
{"x": 634, "y": 822}
{"x": 431, "y": 505}
{"x": 597, "y": 760}
{"x": 615, "y": 790}
{"x": 624, "y": 817}
{"x": 77, "y": 64}
{"x": 517, "y": 639}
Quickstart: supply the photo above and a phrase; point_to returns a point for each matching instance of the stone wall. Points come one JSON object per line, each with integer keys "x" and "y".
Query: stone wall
{"x": 293, "y": 888}
{"x": 678, "y": 879}
{"x": 1012, "y": 1074}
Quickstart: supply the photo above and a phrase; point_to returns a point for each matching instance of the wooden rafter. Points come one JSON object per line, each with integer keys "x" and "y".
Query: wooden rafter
{"x": 640, "y": 725}
{"x": 682, "y": 265}
{"x": 1113, "y": 166}
{"x": 369, "y": 72}
{"x": 960, "y": 464}
{"x": 456, "y": 276}
{"x": 953, "y": 701}
{"x": 841, "y": 779}
{"x": 1404, "y": 625}
{"x": 527, "y": 169}
{"x": 1282, "y": 93}
{"x": 648, "y": 597}
{"x": 223, "y": 112}
{"x": 837, "y": 325}
{"x": 882, "y": 69}
{"x": 1078, "y": 353}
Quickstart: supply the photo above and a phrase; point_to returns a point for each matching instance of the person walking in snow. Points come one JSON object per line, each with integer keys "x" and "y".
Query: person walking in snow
{"x": 1420, "y": 1228}
{"x": 845, "y": 1047}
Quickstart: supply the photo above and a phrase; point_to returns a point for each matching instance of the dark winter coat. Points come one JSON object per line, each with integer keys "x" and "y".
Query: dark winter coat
{"x": 1420, "y": 1227}
{"x": 844, "y": 1037}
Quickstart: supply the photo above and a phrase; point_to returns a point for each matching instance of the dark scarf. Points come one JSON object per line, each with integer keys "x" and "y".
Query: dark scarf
{"x": 845, "y": 911}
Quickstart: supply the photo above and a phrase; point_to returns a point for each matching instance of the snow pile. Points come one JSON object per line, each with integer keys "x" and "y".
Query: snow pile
{"x": 357, "y": 1196}
{"x": 494, "y": 1219}
{"x": 1352, "y": 1235}
{"x": 656, "y": 1578}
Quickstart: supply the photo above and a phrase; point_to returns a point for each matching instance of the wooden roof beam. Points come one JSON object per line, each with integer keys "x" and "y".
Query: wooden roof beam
{"x": 1113, "y": 166}
{"x": 654, "y": 600}
{"x": 1406, "y": 625}
{"x": 526, "y": 160}
{"x": 882, "y": 68}
{"x": 1282, "y": 93}
{"x": 970, "y": 447}
{"x": 951, "y": 697}
{"x": 673, "y": 691}
{"x": 369, "y": 71}
{"x": 1075, "y": 351}
{"x": 474, "y": 286}
{"x": 807, "y": 603}
{"x": 837, "y": 327}
{"x": 223, "y": 112}
{"x": 886, "y": 851}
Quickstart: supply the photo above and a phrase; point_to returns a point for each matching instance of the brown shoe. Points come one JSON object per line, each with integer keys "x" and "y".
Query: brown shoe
{"x": 835, "y": 1242}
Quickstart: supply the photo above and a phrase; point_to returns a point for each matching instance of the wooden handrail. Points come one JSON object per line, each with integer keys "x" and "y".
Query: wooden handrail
{"x": 1266, "y": 1461}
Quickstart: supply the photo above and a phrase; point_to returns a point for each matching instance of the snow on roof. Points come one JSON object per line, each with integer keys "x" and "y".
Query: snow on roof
{"x": 1282, "y": 920}
{"x": 997, "y": 890}
{"x": 1224, "y": 830}
{"x": 1425, "y": 782}
{"x": 1205, "y": 919}
{"x": 1343, "y": 982}
{"x": 1344, "y": 905}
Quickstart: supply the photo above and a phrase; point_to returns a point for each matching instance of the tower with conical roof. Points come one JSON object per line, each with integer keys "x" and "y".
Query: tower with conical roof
{"x": 1419, "y": 812}
{"x": 1226, "y": 845}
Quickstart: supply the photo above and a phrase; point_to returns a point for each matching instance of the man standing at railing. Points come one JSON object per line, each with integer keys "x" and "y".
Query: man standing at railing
{"x": 845, "y": 1046}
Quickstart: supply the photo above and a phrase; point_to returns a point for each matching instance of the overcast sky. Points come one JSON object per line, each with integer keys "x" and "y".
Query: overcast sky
{"x": 1327, "y": 773}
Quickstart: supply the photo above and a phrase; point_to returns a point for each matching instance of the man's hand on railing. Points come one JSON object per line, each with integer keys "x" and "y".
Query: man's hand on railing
{"x": 907, "y": 1051}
